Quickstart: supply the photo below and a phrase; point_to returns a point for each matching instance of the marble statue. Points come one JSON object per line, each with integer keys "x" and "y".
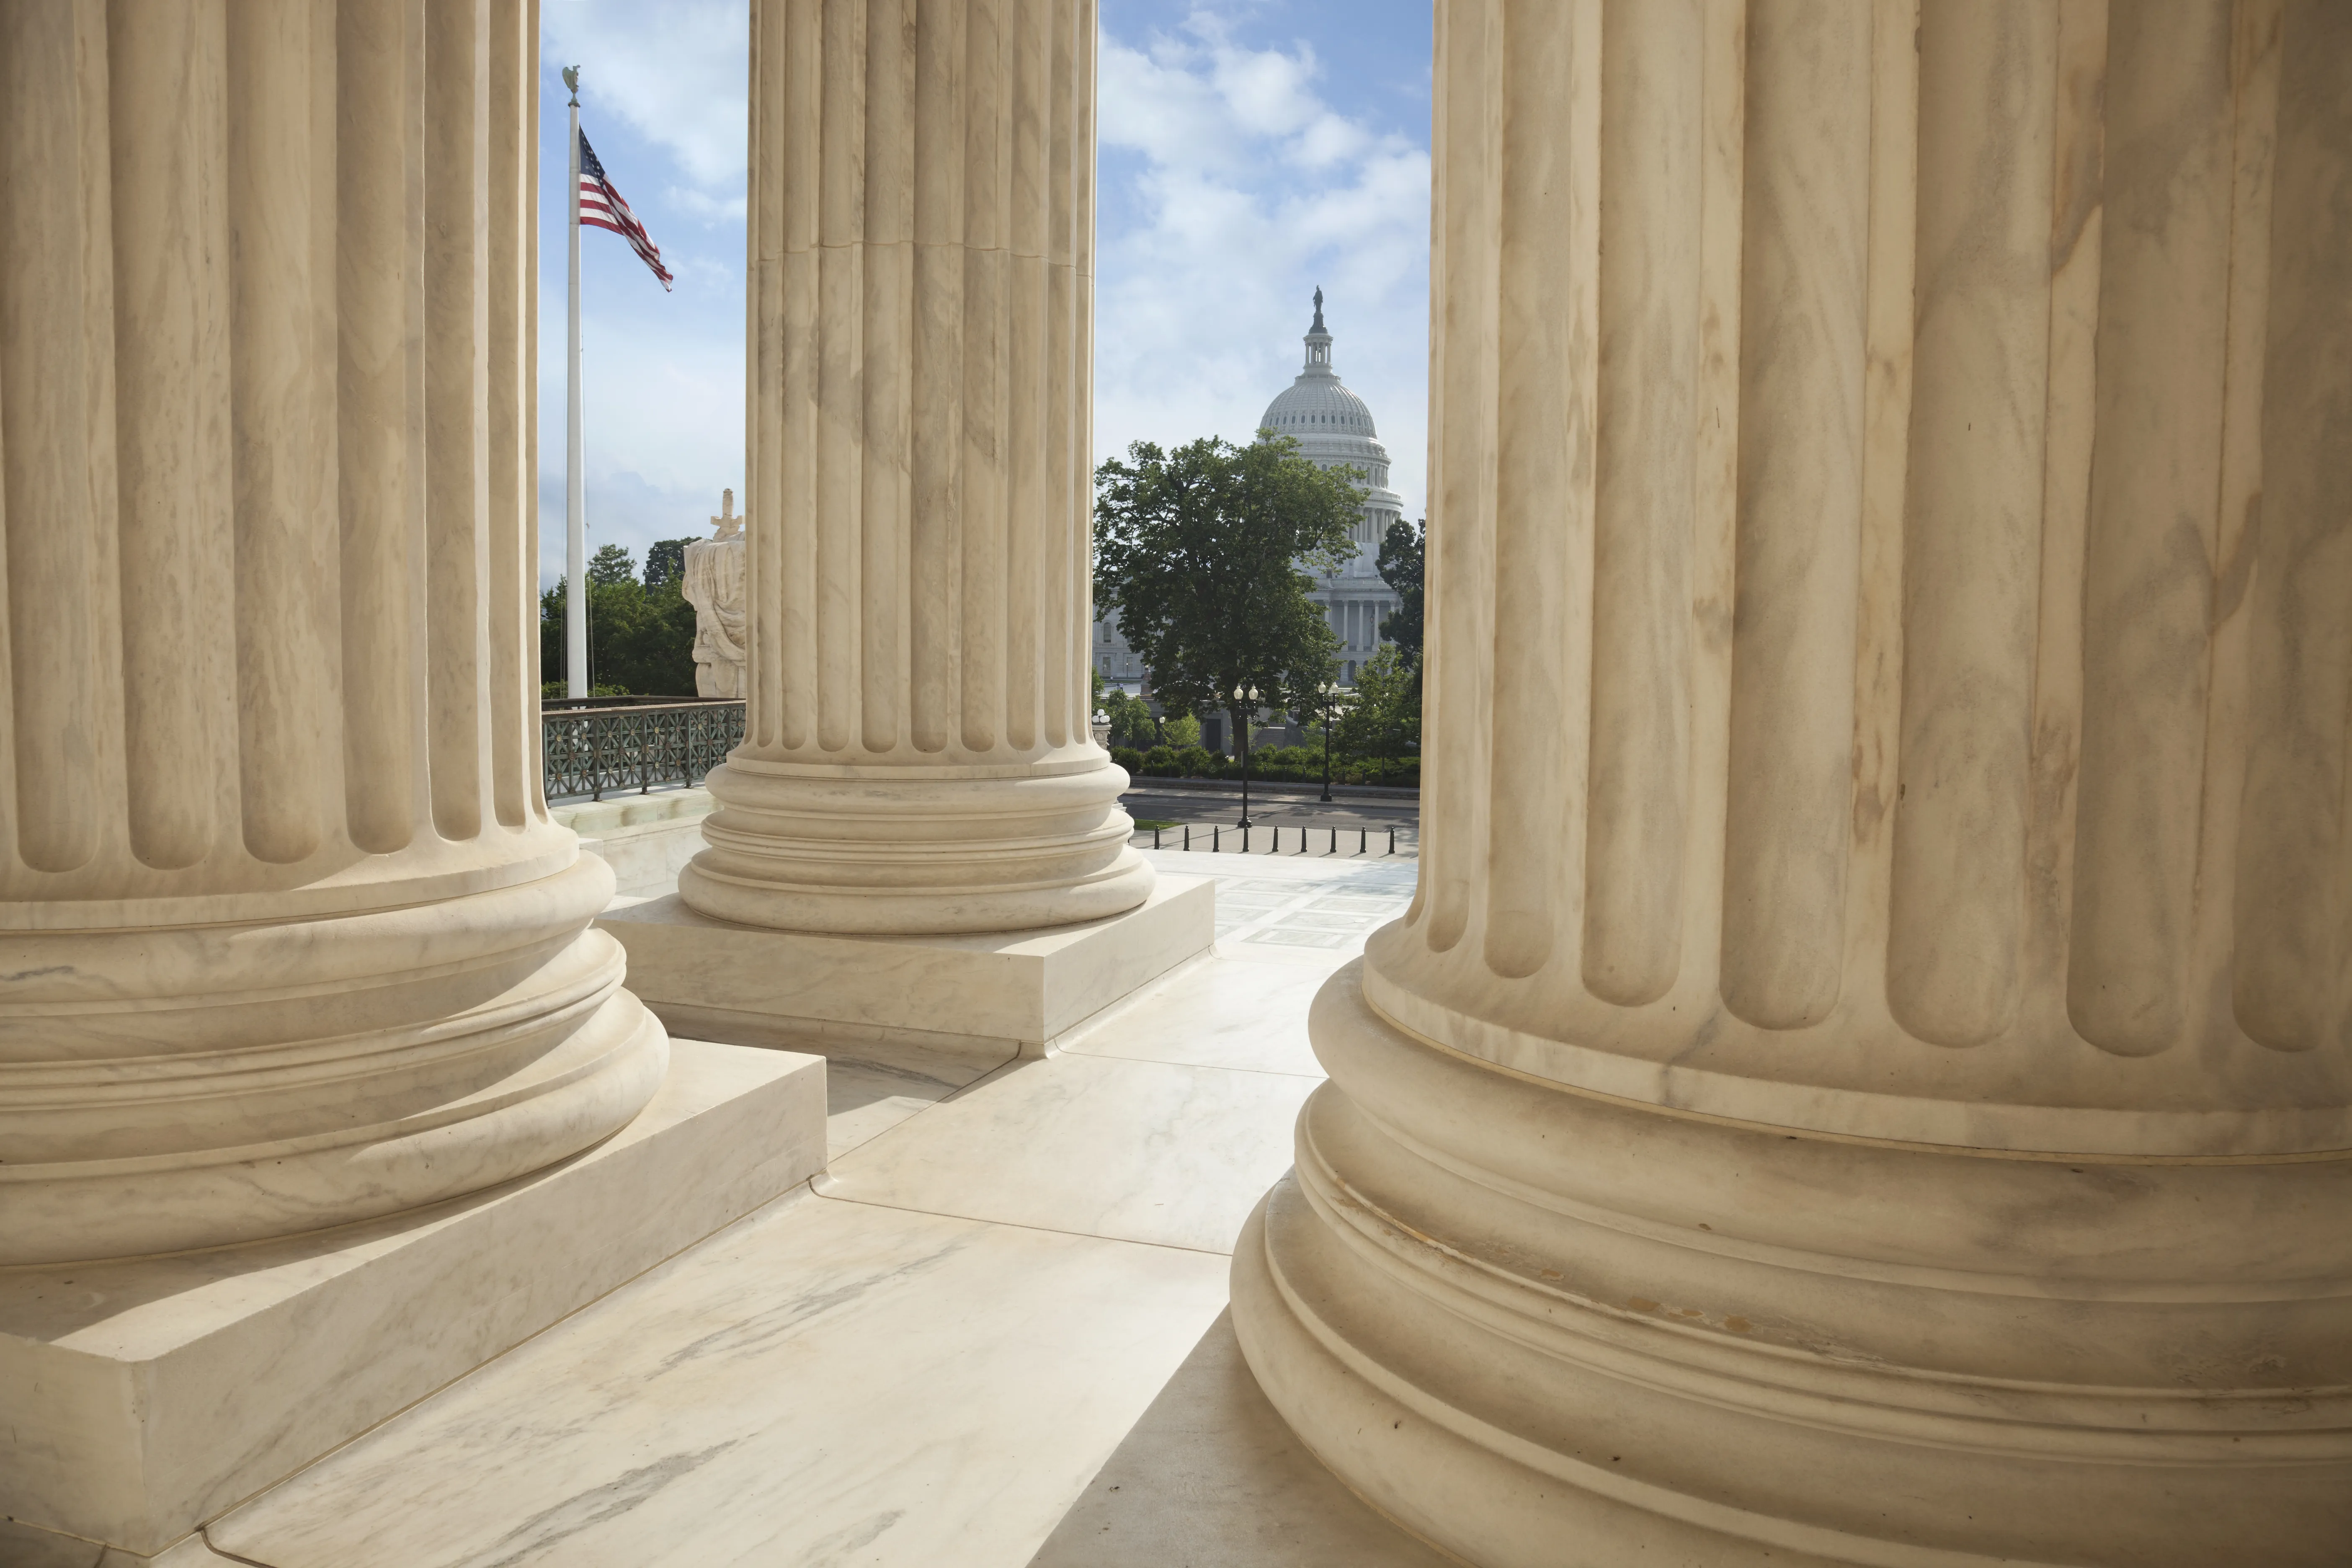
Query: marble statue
{"x": 714, "y": 587}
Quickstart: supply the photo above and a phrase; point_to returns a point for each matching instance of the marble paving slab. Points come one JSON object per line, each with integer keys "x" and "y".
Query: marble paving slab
{"x": 1222, "y": 1013}
{"x": 1321, "y": 940}
{"x": 877, "y": 1087}
{"x": 1213, "y": 1478}
{"x": 823, "y": 1383}
{"x": 1307, "y": 912}
{"x": 870, "y": 1085}
{"x": 22, "y": 1546}
{"x": 1139, "y": 1150}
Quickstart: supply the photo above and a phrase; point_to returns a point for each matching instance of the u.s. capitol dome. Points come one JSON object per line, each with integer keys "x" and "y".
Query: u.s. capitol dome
{"x": 1334, "y": 430}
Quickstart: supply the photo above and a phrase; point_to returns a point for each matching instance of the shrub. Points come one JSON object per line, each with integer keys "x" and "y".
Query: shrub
{"x": 1128, "y": 757}
{"x": 1394, "y": 772}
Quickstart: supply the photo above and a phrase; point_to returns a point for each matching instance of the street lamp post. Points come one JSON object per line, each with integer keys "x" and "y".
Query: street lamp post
{"x": 1329, "y": 692}
{"x": 1244, "y": 719}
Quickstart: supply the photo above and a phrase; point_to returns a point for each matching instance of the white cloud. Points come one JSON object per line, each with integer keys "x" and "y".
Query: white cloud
{"x": 1242, "y": 187}
{"x": 663, "y": 93}
{"x": 674, "y": 71}
{"x": 710, "y": 209}
{"x": 1237, "y": 175}
{"x": 662, "y": 423}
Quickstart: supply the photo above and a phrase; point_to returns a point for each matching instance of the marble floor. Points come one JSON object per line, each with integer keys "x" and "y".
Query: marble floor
{"x": 992, "y": 1333}
{"x": 1212, "y": 1477}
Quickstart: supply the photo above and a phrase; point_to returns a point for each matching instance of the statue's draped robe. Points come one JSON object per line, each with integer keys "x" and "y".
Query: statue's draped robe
{"x": 714, "y": 587}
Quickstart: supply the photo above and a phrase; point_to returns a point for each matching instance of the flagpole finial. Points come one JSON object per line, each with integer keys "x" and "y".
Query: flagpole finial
{"x": 571, "y": 80}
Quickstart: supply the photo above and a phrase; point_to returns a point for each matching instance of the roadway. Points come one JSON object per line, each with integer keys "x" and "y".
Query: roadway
{"x": 1285, "y": 807}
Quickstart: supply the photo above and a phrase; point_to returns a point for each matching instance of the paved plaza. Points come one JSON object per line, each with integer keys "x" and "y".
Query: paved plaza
{"x": 993, "y": 1332}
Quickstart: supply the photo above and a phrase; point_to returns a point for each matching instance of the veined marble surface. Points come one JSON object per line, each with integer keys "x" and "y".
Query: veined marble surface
{"x": 1022, "y": 987}
{"x": 824, "y": 1383}
{"x": 1310, "y": 911}
{"x": 838, "y": 1382}
{"x": 143, "y": 1397}
{"x": 1212, "y": 1475}
{"x": 1242, "y": 1011}
{"x": 1139, "y": 1150}
{"x": 870, "y": 1085}
{"x": 22, "y": 1546}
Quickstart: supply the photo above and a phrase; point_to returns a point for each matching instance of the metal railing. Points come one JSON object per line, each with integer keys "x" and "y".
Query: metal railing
{"x": 586, "y": 751}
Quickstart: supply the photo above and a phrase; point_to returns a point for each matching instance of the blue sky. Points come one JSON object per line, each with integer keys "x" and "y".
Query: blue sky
{"x": 1249, "y": 152}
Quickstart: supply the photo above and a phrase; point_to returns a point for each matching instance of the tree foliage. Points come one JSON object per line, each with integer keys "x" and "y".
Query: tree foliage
{"x": 1205, "y": 553}
{"x": 1130, "y": 716}
{"x": 610, "y": 567}
{"x": 1402, "y": 566}
{"x": 666, "y": 562}
{"x": 640, "y": 636}
{"x": 1385, "y": 719}
{"x": 1130, "y": 721}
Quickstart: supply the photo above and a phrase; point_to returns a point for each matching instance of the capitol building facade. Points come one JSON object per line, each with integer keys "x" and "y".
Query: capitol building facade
{"x": 1334, "y": 430}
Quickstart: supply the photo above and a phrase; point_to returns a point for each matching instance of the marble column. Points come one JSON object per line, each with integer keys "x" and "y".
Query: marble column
{"x": 1867, "y": 1075}
{"x": 286, "y": 936}
{"x": 917, "y": 756}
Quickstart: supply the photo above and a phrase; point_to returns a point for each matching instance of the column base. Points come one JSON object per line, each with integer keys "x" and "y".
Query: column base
{"x": 1015, "y": 990}
{"x": 1543, "y": 1327}
{"x": 901, "y": 852}
{"x": 146, "y": 1396}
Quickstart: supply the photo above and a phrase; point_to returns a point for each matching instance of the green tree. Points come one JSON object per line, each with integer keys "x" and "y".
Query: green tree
{"x": 610, "y": 567}
{"x": 1401, "y": 564}
{"x": 1131, "y": 721}
{"x": 1130, "y": 717}
{"x": 666, "y": 562}
{"x": 640, "y": 638}
{"x": 1384, "y": 719}
{"x": 1205, "y": 553}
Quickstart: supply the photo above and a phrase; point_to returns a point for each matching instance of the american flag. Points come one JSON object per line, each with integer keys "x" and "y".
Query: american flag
{"x": 601, "y": 206}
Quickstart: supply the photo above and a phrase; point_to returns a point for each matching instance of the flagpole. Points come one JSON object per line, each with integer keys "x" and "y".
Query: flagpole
{"x": 576, "y": 519}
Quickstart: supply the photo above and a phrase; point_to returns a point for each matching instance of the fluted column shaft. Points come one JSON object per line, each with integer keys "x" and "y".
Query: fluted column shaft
{"x": 286, "y": 936}
{"x": 1880, "y": 961}
{"x": 916, "y": 754}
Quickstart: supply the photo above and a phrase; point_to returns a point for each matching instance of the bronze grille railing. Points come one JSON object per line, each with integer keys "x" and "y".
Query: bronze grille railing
{"x": 587, "y": 751}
